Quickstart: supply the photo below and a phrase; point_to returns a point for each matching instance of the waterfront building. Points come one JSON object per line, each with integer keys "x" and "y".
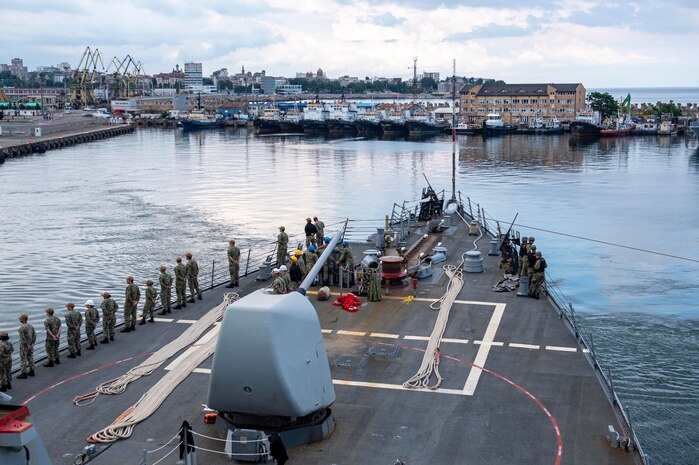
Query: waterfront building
{"x": 171, "y": 79}
{"x": 289, "y": 89}
{"x": 233, "y": 109}
{"x": 193, "y": 75}
{"x": 269, "y": 85}
{"x": 518, "y": 103}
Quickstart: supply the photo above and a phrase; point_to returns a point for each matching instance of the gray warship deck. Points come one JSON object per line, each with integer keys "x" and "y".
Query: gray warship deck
{"x": 537, "y": 401}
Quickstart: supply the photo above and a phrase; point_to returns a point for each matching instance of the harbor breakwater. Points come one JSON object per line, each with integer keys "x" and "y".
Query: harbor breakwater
{"x": 41, "y": 146}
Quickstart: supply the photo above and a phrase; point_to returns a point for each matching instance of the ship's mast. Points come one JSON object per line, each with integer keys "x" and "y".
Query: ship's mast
{"x": 453, "y": 132}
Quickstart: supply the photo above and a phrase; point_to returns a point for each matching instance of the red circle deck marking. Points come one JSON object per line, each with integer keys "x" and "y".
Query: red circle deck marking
{"x": 45, "y": 390}
{"x": 554, "y": 423}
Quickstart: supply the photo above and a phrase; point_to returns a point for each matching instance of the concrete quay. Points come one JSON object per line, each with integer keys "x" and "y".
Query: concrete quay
{"x": 18, "y": 139}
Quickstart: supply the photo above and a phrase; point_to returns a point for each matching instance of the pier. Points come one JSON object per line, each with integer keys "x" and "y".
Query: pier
{"x": 18, "y": 139}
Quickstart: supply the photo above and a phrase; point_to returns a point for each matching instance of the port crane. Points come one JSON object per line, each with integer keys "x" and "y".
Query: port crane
{"x": 82, "y": 92}
{"x": 125, "y": 76}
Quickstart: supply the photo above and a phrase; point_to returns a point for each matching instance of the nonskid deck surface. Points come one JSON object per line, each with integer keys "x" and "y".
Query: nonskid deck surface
{"x": 536, "y": 382}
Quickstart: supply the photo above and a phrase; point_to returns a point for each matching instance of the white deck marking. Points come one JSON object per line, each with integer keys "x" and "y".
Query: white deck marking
{"x": 187, "y": 322}
{"x": 211, "y": 334}
{"x": 455, "y": 341}
{"x": 351, "y": 333}
{"x": 326, "y": 331}
{"x": 482, "y": 355}
{"x": 586, "y": 351}
{"x": 524, "y": 346}
{"x": 562, "y": 349}
{"x": 342, "y": 382}
{"x": 163, "y": 320}
{"x": 397, "y": 387}
{"x": 385, "y": 335}
{"x": 495, "y": 344}
{"x": 416, "y": 338}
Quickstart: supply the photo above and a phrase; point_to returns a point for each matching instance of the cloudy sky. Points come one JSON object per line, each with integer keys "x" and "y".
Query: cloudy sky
{"x": 600, "y": 43}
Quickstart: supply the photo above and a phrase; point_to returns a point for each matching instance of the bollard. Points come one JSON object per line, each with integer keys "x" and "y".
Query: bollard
{"x": 439, "y": 254}
{"x": 473, "y": 262}
{"x": 494, "y": 247}
{"x": 265, "y": 271}
{"x": 446, "y": 220}
{"x": 523, "y": 290}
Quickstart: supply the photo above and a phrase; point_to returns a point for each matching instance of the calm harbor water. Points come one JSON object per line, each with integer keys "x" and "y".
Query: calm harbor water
{"x": 76, "y": 221}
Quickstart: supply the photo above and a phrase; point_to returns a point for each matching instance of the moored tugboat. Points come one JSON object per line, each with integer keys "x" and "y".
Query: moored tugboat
{"x": 494, "y": 126}
{"x": 368, "y": 123}
{"x": 586, "y": 124}
{"x": 314, "y": 116}
{"x": 268, "y": 123}
{"x": 394, "y": 124}
{"x": 291, "y": 122}
{"x": 341, "y": 119}
{"x": 421, "y": 123}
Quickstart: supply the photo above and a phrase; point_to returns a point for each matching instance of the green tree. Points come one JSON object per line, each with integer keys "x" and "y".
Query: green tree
{"x": 207, "y": 82}
{"x": 427, "y": 84}
{"x": 604, "y": 103}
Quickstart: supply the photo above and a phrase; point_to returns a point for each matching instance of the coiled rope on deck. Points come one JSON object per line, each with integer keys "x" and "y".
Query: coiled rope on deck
{"x": 118, "y": 385}
{"x": 430, "y": 359}
{"x": 122, "y": 426}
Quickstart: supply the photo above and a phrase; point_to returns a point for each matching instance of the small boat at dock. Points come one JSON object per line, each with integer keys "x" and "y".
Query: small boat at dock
{"x": 494, "y": 126}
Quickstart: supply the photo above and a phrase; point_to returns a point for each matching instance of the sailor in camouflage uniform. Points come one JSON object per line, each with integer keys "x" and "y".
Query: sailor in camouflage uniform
{"x": 6, "y": 350}
{"x": 192, "y": 269}
{"x": 538, "y": 275}
{"x": 165, "y": 281}
{"x": 233, "y": 263}
{"x": 74, "y": 320}
{"x": 320, "y": 226}
{"x": 374, "y": 291}
{"x": 131, "y": 297}
{"x": 346, "y": 262}
{"x": 284, "y": 273}
{"x": 27, "y": 339}
{"x": 149, "y": 304}
{"x": 53, "y": 326}
{"x": 282, "y": 243}
{"x": 310, "y": 258}
{"x": 180, "y": 283}
{"x": 298, "y": 254}
{"x": 109, "y": 311}
{"x": 279, "y": 285}
{"x": 325, "y": 271}
{"x": 92, "y": 317}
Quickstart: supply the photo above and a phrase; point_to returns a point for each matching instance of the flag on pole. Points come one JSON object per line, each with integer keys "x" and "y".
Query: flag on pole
{"x": 626, "y": 104}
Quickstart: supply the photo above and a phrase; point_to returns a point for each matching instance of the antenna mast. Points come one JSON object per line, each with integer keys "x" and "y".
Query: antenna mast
{"x": 414, "y": 79}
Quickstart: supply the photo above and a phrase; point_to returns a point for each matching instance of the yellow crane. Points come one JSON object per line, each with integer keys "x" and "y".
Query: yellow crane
{"x": 82, "y": 92}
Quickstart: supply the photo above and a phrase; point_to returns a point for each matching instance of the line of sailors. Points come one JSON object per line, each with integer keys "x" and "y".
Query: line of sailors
{"x": 74, "y": 319}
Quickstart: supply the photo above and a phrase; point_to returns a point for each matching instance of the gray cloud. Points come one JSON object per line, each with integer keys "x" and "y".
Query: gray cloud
{"x": 671, "y": 17}
{"x": 387, "y": 19}
{"x": 428, "y": 5}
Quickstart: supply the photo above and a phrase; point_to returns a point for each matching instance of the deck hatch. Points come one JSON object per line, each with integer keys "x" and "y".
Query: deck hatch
{"x": 383, "y": 351}
{"x": 350, "y": 362}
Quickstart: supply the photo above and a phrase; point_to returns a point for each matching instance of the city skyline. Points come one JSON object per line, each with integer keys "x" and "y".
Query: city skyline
{"x": 632, "y": 44}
